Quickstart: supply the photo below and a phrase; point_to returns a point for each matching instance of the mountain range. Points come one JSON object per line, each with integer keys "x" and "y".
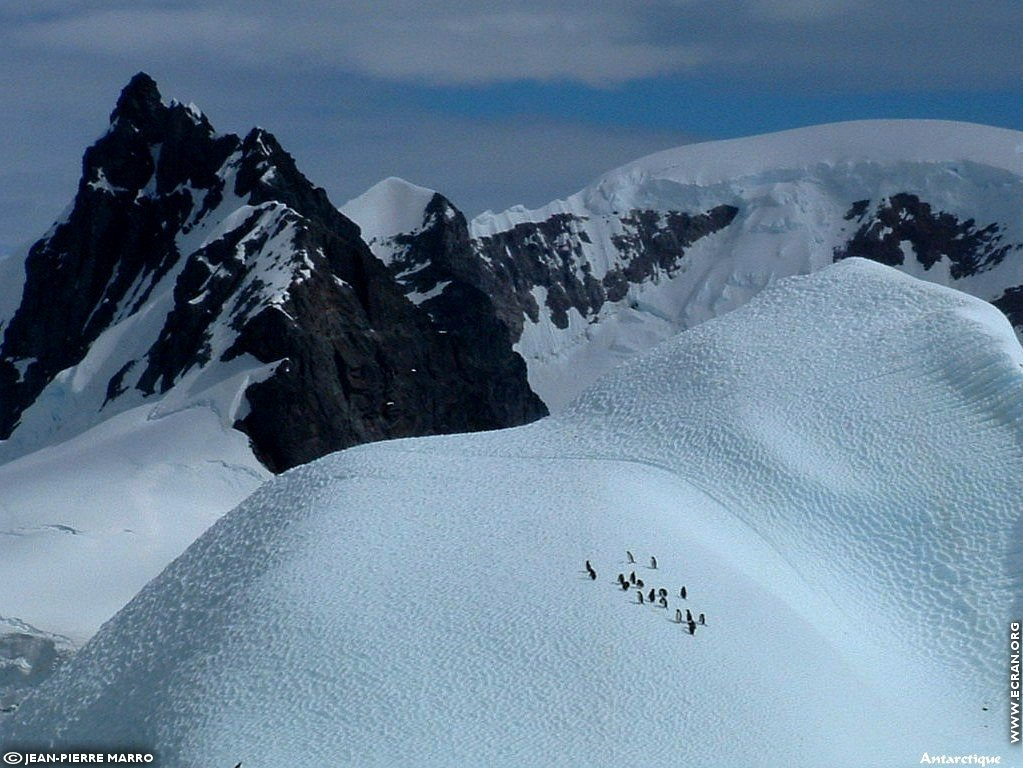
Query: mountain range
{"x": 202, "y": 316}
{"x": 189, "y": 257}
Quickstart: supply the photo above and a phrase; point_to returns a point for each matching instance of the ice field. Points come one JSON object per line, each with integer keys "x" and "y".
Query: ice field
{"x": 832, "y": 470}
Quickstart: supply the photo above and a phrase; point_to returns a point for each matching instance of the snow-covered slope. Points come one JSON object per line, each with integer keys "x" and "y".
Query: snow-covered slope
{"x": 199, "y": 310}
{"x": 88, "y": 522}
{"x": 676, "y": 238}
{"x": 198, "y": 306}
{"x": 831, "y": 471}
{"x": 390, "y": 207}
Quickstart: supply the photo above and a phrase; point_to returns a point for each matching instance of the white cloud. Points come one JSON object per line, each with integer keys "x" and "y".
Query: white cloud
{"x": 142, "y": 31}
{"x": 334, "y": 77}
{"x": 604, "y": 43}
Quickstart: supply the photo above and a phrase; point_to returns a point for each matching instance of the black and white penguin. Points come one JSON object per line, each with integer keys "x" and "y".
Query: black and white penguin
{"x": 653, "y": 561}
{"x": 629, "y": 555}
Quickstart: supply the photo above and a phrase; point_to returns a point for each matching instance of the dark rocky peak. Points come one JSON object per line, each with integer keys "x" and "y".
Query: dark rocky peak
{"x": 267, "y": 173}
{"x": 214, "y": 249}
{"x": 141, "y": 182}
{"x": 443, "y": 235}
{"x": 440, "y": 210}
{"x": 139, "y": 107}
{"x": 154, "y": 146}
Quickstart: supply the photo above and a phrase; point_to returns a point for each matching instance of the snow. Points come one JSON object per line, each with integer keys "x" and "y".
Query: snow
{"x": 86, "y": 523}
{"x": 417, "y": 297}
{"x": 831, "y": 470}
{"x": 793, "y": 190}
{"x": 390, "y": 207}
{"x": 101, "y": 184}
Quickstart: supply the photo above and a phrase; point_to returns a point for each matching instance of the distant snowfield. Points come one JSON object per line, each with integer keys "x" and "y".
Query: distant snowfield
{"x": 840, "y": 498}
{"x": 86, "y": 523}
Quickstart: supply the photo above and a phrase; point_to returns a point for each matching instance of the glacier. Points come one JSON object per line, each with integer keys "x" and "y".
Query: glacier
{"x": 832, "y": 470}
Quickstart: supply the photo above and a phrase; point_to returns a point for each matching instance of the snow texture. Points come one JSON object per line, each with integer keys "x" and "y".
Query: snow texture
{"x": 832, "y": 471}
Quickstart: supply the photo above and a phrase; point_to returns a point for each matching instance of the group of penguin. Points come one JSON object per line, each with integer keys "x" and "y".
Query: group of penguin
{"x": 655, "y": 595}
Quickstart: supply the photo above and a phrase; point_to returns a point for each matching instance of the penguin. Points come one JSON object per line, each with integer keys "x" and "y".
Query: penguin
{"x": 678, "y": 615}
{"x": 653, "y": 562}
{"x": 625, "y": 586}
{"x": 651, "y": 595}
{"x": 703, "y": 621}
{"x": 632, "y": 577}
{"x": 621, "y": 578}
{"x": 639, "y": 593}
{"x": 593, "y": 574}
{"x": 663, "y": 601}
{"x": 662, "y": 592}
{"x": 588, "y": 566}
{"x": 639, "y": 583}
{"x": 692, "y": 627}
{"x": 682, "y": 593}
{"x": 629, "y": 555}
{"x": 689, "y": 615}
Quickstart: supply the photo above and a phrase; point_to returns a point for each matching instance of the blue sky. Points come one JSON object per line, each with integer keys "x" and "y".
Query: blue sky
{"x": 491, "y": 103}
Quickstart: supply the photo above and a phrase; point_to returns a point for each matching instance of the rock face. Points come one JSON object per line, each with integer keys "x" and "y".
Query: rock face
{"x": 931, "y": 236}
{"x": 27, "y": 657}
{"x": 546, "y": 276}
{"x": 190, "y": 255}
{"x": 669, "y": 241}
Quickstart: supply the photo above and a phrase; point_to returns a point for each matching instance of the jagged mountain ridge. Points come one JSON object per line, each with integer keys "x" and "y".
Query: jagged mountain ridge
{"x": 673, "y": 239}
{"x": 249, "y": 266}
{"x": 189, "y": 257}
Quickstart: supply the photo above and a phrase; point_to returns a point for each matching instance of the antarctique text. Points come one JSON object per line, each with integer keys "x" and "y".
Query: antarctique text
{"x": 960, "y": 759}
